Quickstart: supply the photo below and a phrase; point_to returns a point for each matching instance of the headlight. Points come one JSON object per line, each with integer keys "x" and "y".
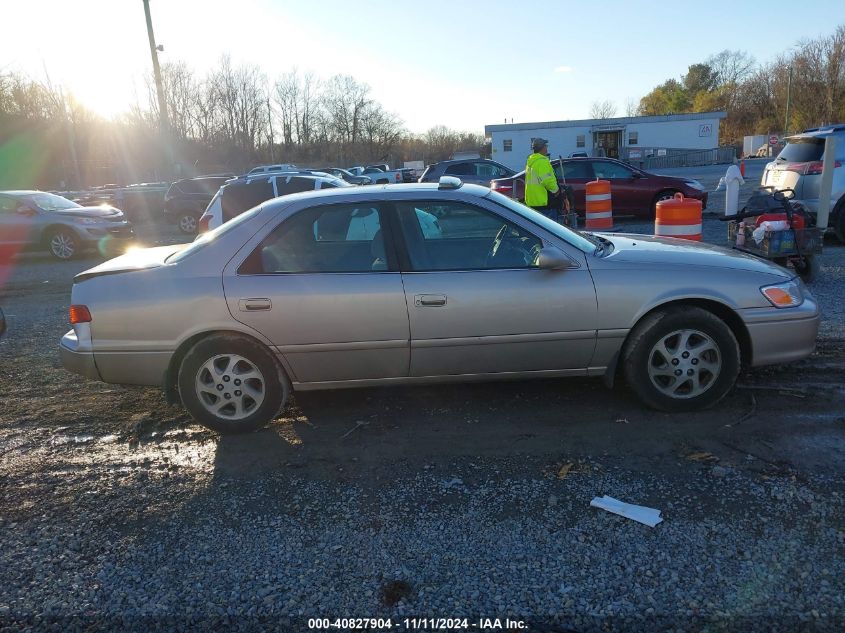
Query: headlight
{"x": 86, "y": 220}
{"x": 785, "y": 295}
{"x": 694, "y": 184}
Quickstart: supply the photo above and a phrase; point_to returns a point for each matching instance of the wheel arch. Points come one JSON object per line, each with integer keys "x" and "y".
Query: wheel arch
{"x": 48, "y": 231}
{"x": 721, "y": 310}
{"x": 171, "y": 374}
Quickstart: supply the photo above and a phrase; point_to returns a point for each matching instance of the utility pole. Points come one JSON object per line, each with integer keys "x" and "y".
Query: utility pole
{"x": 164, "y": 124}
{"x": 788, "y": 100}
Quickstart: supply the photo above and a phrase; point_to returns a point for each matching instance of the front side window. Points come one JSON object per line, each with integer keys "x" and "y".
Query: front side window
{"x": 611, "y": 171}
{"x": 576, "y": 169}
{"x": 328, "y": 239}
{"x": 458, "y": 236}
{"x": 8, "y": 205}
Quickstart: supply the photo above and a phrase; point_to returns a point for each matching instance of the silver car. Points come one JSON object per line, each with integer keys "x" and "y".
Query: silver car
{"x": 37, "y": 220}
{"x": 357, "y": 287}
{"x": 799, "y": 167}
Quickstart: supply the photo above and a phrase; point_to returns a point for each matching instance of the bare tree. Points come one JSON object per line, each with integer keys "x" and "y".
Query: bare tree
{"x": 603, "y": 110}
{"x": 631, "y": 107}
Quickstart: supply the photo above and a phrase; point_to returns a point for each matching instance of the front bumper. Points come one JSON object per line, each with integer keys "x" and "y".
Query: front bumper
{"x": 76, "y": 353}
{"x": 782, "y": 335}
{"x": 117, "y": 232}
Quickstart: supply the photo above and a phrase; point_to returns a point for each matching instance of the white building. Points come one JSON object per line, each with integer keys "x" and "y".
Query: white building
{"x": 629, "y": 138}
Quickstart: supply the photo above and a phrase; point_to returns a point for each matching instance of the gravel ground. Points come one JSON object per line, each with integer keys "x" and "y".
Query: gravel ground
{"x": 116, "y": 513}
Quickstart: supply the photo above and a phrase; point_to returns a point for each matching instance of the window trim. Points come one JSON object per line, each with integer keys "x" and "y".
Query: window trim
{"x": 401, "y": 243}
{"x": 390, "y": 250}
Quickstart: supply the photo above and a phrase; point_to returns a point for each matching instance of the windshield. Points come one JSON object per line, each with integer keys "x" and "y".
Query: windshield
{"x": 577, "y": 239}
{"x": 802, "y": 150}
{"x": 51, "y": 202}
{"x": 206, "y": 238}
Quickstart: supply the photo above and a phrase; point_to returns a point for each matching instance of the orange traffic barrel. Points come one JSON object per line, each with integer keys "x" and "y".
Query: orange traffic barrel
{"x": 599, "y": 213}
{"x": 678, "y": 217}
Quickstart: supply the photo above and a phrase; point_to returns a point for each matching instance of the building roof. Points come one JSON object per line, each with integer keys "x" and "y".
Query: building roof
{"x": 665, "y": 118}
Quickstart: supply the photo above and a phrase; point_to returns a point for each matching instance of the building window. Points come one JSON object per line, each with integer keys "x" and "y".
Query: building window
{"x": 580, "y": 140}
{"x": 633, "y": 138}
{"x": 507, "y": 145}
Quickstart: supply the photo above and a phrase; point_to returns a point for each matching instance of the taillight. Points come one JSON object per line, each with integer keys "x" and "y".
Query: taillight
{"x": 815, "y": 168}
{"x": 205, "y": 220}
{"x": 501, "y": 187}
{"x": 79, "y": 314}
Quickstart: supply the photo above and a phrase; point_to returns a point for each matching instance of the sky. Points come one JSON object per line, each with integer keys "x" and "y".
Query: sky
{"x": 457, "y": 63}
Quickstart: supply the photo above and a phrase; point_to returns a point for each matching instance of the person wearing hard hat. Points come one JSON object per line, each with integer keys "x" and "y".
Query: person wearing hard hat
{"x": 540, "y": 179}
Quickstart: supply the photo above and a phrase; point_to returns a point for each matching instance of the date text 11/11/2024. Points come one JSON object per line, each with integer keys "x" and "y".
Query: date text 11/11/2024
{"x": 417, "y": 624}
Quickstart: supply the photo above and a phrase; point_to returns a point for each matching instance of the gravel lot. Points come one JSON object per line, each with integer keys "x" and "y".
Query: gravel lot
{"x": 116, "y": 512}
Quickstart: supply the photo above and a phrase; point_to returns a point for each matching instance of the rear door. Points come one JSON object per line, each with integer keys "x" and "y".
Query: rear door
{"x": 323, "y": 286}
{"x": 478, "y": 303}
{"x": 626, "y": 195}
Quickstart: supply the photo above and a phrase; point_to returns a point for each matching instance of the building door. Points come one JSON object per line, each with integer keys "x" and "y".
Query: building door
{"x": 608, "y": 144}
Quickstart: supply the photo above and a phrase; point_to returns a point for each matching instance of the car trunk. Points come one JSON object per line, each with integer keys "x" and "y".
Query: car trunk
{"x": 797, "y": 167}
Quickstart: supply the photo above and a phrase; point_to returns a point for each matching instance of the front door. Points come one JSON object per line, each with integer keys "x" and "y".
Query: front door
{"x": 478, "y": 303}
{"x": 322, "y": 286}
{"x": 609, "y": 143}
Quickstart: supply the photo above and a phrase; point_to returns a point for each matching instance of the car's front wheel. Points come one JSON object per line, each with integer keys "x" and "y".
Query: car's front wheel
{"x": 666, "y": 194}
{"x": 681, "y": 359}
{"x": 63, "y": 244}
{"x": 232, "y": 384}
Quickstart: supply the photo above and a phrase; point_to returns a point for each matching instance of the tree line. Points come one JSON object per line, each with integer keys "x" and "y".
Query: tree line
{"x": 755, "y": 95}
{"x": 227, "y": 120}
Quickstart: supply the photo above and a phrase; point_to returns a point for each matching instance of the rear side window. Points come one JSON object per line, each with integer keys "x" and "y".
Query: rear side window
{"x": 802, "y": 150}
{"x": 239, "y": 197}
{"x": 575, "y": 169}
{"x": 295, "y": 184}
{"x": 327, "y": 239}
{"x": 461, "y": 169}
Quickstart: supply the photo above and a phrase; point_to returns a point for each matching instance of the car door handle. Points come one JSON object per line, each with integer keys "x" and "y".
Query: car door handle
{"x": 254, "y": 304}
{"x": 426, "y": 301}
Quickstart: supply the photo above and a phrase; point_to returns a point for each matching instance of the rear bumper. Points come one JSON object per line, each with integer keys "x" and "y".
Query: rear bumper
{"x": 77, "y": 356}
{"x": 782, "y": 335}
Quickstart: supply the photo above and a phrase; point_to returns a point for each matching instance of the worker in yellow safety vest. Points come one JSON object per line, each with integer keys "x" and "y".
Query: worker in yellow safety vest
{"x": 540, "y": 179}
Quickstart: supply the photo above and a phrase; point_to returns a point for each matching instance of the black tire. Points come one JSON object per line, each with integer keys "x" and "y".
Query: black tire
{"x": 639, "y": 356}
{"x": 188, "y": 223}
{"x": 193, "y": 371}
{"x": 666, "y": 194}
{"x": 807, "y": 268}
{"x": 63, "y": 244}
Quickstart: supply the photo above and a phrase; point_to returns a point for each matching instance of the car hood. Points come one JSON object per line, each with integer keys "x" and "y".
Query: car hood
{"x": 100, "y": 211}
{"x": 647, "y": 249}
{"x": 135, "y": 259}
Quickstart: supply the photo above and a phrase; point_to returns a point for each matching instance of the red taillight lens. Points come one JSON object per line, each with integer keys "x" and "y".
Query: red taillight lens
{"x": 79, "y": 314}
{"x": 501, "y": 187}
{"x": 815, "y": 168}
{"x": 202, "y": 227}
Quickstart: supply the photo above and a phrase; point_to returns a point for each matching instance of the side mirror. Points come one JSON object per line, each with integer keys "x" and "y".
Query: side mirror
{"x": 552, "y": 258}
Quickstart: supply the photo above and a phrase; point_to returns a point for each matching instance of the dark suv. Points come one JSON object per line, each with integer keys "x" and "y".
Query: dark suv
{"x": 187, "y": 199}
{"x": 478, "y": 171}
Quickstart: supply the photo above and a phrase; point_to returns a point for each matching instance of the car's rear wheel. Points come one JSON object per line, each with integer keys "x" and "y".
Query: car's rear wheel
{"x": 681, "y": 359}
{"x": 666, "y": 194}
{"x": 232, "y": 384}
{"x": 187, "y": 223}
{"x": 63, "y": 244}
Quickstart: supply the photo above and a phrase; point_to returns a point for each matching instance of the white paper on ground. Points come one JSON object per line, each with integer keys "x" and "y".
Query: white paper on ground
{"x": 641, "y": 514}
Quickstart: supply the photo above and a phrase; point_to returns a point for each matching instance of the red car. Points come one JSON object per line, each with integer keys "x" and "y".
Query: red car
{"x": 634, "y": 191}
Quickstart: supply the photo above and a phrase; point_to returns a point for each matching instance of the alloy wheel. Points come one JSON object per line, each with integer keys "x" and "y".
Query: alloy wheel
{"x": 62, "y": 246}
{"x": 684, "y": 364}
{"x": 230, "y": 386}
{"x": 188, "y": 224}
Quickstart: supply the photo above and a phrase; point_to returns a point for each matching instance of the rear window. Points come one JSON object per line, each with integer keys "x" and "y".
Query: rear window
{"x": 804, "y": 150}
{"x": 239, "y": 197}
{"x": 206, "y": 238}
{"x": 461, "y": 169}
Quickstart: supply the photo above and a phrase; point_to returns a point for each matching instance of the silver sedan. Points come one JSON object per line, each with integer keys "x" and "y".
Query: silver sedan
{"x": 426, "y": 283}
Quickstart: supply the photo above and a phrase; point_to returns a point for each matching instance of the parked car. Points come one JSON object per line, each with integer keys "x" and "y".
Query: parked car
{"x": 241, "y": 194}
{"x": 37, "y": 220}
{"x": 377, "y": 175}
{"x": 478, "y": 171}
{"x": 634, "y": 191}
{"x": 186, "y": 200}
{"x": 286, "y": 297}
{"x": 408, "y": 174}
{"x": 798, "y": 166}
{"x": 348, "y": 176}
{"x": 263, "y": 169}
